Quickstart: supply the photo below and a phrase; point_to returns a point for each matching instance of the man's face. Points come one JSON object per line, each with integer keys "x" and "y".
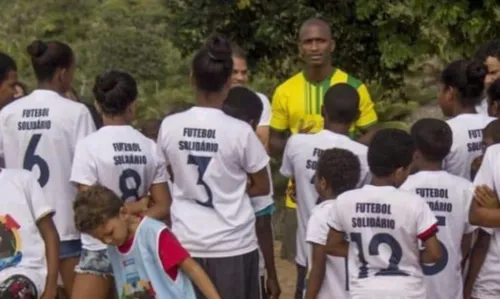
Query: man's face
{"x": 493, "y": 65}
{"x": 7, "y": 88}
{"x": 240, "y": 72}
{"x": 316, "y": 45}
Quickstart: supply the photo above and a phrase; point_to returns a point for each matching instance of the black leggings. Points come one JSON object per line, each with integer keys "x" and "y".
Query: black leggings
{"x": 18, "y": 287}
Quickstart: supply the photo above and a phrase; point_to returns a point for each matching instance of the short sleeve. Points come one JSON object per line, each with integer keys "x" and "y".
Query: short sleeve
{"x": 160, "y": 145}
{"x": 286, "y": 168}
{"x": 265, "y": 118}
{"x": 279, "y": 111}
{"x": 160, "y": 175}
{"x": 84, "y": 125}
{"x": 38, "y": 203}
{"x": 170, "y": 251}
{"x": 368, "y": 116}
{"x": 255, "y": 156}
{"x": 334, "y": 218}
{"x": 317, "y": 229}
{"x": 426, "y": 220}
{"x": 84, "y": 169}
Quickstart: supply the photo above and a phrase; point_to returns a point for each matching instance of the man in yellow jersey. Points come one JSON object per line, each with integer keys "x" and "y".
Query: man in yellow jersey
{"x": 296, "y": 108}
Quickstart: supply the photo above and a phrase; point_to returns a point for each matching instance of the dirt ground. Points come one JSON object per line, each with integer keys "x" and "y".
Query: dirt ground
{"x": 286, "y": 273}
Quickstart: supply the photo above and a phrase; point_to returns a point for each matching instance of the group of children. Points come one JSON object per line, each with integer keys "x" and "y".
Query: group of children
{"x": 188, "y": 215}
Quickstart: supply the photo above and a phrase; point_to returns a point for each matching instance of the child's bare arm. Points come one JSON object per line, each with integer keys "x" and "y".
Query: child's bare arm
{"x": 51, "y": 239}
{"x": 477, "y": 256}
{"x": 317, "y": 273}
{"x": 199, "y": 278}
{"x": 336, "y": 245}
{"x": 432, "y": 252}
{"x": 161, "y": 201}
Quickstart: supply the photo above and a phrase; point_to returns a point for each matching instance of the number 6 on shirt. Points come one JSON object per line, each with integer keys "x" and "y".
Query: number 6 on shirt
{"x": 31, "y": 159}
{"x": 202, "y": 164}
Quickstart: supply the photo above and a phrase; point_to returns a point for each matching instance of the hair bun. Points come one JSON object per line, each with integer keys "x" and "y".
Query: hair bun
{"x": 107, "y": 83}
{"x": 219, "y": 48}
{"x": 476, "y": 71}
{"x": 37, "y": 48}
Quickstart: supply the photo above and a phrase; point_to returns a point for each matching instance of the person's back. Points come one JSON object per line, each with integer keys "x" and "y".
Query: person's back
{"x": 462, "y": 87}
{"x": 467, "y": 142}
{"x": 207, "y": 150}
{"x": 449, "y": 197}
{"x": 39, "y": 133}
{"x": 384, "y": 225}
{"x": 302, "y": 152}
{"x": 212, "y": 157}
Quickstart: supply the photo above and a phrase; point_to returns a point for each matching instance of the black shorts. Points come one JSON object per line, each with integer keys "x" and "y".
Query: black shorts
{"x": 233, "y": 277}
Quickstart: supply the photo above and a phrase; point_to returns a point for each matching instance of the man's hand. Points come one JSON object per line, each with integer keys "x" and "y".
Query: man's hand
{"x": 273, "y": 288}
{"x": 485, "y": 197}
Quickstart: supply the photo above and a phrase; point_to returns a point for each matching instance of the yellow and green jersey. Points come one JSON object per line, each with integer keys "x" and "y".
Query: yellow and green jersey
{"x": 297, "y": 104}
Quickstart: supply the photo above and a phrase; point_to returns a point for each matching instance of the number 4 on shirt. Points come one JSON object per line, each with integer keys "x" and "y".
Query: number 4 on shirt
{"x": 202, "y": 165}
{"x": 31, "y": 159}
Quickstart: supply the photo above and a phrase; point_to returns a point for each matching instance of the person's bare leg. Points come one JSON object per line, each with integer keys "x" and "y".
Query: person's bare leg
{"x": 67, "y": 271}
{"x": 91, "y": 286}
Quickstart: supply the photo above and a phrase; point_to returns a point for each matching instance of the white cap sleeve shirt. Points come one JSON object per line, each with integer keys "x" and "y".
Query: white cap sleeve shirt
{"x": 265, "y": 118}
{"x": 467, "y": 143}
{"x": 487, "y": 284}
{"x": 23, "y": 205}
{"x": 121, "y": 159}
{"x": 383, "y": 225}
{"x": 482, "y": 107}
{"x": 210, "y": 154}
{"x": 335, "y": 280}
{"x": 39, "y": 133}
{"x": 449, "y": 197}
{"x": 299, "y": 161}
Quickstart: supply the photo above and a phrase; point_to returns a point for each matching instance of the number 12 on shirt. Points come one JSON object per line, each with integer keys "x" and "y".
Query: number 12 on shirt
{"x": 373, "y": 249}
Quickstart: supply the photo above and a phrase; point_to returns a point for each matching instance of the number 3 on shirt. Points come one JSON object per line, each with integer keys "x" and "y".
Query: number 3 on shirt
{"x": 202, "y": 164}
{"x": 31, "y": 159}
{"x": 373, "y": 249}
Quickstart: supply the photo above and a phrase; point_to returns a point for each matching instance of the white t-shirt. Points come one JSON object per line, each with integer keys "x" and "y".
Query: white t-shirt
{"x": 210, "y": 154}
{"x": 450, "y": 198}
{"x": 39, "y": 132}
{"x": 482, "y": 107}
{"x": 467, "y": 143}
{"x": 335, "y": 280}
{"x": 265, "y": 118}
{"x": 299, "y": 161}
{"x": 21, "y": 245}
{"x": 121, "y": 159}
{"x": 386, "y": 224}
{"x": 487, "y": 284}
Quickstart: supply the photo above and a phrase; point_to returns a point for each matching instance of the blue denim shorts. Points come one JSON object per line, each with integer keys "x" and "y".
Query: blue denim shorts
{"x": 94, "y": 262}
{"x": 70, "y": 249}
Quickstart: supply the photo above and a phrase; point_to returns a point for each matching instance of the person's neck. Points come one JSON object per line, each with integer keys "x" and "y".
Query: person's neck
{"x": 337, "y": 128}
{"x": 114, "y": 121}
{"x": 210, "y": 100}
{"x": 464, "y": 110}
{"x": 317, "y": 74}
{"x": 51, "y": 86}
{"x": 429, "y": 166}
{"x": 132, "y": 223}
{"x": 382, "y": 181}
